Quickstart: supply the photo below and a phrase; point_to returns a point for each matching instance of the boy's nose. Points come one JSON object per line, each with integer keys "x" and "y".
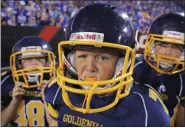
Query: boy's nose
{"x": 91, "y": 67}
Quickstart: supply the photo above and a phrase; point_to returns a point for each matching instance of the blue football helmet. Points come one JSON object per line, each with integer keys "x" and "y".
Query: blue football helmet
{"x": 32, "y": 47}
{"x": 97, "y": 26}
{"x": 165, "y": 30}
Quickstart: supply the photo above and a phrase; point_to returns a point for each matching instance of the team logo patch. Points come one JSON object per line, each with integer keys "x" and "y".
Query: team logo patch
{"x": 161, "y": 89}
{"x": 87, "y": 36}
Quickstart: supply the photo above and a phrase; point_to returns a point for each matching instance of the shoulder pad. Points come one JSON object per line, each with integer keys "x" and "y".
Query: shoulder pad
{"x": 139, "y": 57}
{"x": 52, "y": 93}
{"x": 52, "y": 81}
{"x": 5, "y": 73}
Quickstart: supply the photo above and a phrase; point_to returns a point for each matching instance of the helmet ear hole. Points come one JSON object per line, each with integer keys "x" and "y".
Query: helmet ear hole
{"x": 19, "y": 66}
{"x": 71, "y": 59}
{"x": 119, "y": 66}
{"x": 19, "y": 63}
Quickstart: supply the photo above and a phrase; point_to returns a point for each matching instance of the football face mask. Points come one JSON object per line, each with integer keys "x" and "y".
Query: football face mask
{"x": 163, "y": 62}
{"x": 32, "y": 76}
{"x": 119, "y": 85}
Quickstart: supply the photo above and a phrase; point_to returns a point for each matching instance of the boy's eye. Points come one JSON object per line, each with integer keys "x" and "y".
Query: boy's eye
{"x": 82, "y": 56}
{"x": 174, "y": 46}
{"x": 27, "y": 59}
{"x": 177, "y": 47}
{"x": 163, "y": 44}
{"x": 103, "y": 58}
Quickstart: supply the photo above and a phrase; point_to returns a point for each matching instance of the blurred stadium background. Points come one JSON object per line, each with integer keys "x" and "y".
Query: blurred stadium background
{"x": 48, "y": 19}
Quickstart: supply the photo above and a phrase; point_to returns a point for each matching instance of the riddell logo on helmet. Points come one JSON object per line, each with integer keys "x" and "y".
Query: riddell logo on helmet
{"x": 67, "y": 63}
{"x": 118, "y": 75}
{"x": 87, "y": 36}
{"x": 31, "y": 48}
{"x": 174, "y": 34}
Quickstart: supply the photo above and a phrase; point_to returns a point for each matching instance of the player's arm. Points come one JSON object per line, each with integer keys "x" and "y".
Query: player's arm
{"x": 49, "y": 93}
{"x": 48, "y": 117}
{"x": 53, "y": 123}
{"x": 50, "y": 120}
{"x": 53, "y": 114}
{"x": 10, "y": 111}
{"x": 180, "y": 117}
{"x": 157, "y": 112}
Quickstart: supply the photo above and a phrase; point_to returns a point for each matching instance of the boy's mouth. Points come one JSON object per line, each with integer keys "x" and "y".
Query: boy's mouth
{"x": 92, "y": 78}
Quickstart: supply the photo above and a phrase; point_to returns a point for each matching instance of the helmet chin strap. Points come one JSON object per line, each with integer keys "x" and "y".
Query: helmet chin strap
{"x": 165, "y": 65}
{"x": 34, "y": 78}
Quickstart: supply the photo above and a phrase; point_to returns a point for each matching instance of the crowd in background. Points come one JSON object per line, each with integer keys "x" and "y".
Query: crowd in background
{"x": 58, "y": 13}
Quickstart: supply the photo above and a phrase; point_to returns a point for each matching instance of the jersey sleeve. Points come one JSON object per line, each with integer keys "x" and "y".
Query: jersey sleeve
{"x": 182, "y": 101}
{"x": 182, "y": 97}
{"x": 156, "y": 110}
{"x": 139, "y": 70}
{"x": 52, "y": 94}
{"x": 7, "y": 85}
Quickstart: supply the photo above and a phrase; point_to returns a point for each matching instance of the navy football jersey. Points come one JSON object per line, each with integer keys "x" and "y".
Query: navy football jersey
{"x": 31, "y": 110}
{"x": 142, "y": 107}
{"x": 170, "y": 87}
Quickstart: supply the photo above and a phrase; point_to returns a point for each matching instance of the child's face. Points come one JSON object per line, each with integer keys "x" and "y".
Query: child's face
{"x": 33, "y": 62}
{"x": 172, "y": 50}
{"x": 96, "y": 64}
{"x": 169, "y": 50}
